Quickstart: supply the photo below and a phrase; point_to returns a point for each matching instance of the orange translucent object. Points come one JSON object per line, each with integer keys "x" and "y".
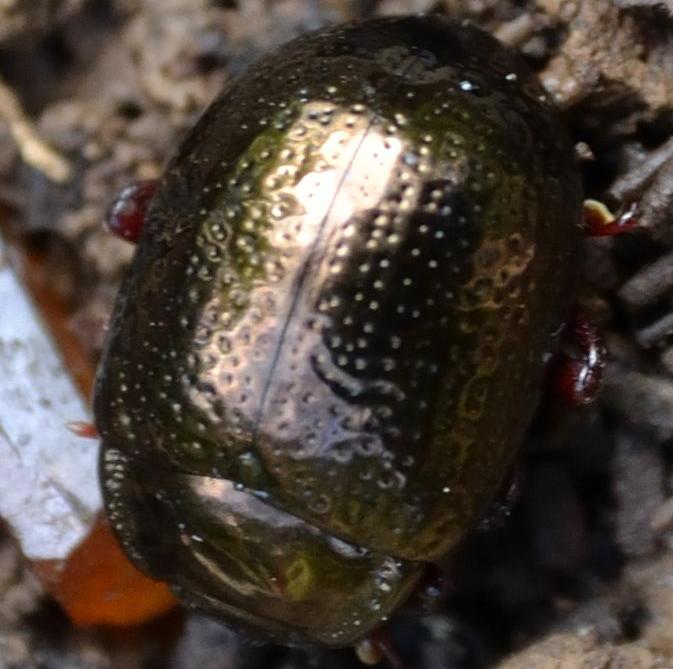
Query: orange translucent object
{"x": 97, "y": 585}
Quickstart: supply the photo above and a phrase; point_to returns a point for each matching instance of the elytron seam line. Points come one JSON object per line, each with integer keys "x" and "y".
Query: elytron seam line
{"x": 301, "y": 280}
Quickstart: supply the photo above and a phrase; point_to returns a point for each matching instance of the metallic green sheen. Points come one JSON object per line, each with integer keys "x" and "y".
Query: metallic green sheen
{"x": 332, "y": 337}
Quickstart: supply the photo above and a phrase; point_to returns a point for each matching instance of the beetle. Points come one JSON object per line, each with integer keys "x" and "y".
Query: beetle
{"x": 348, "y": 287}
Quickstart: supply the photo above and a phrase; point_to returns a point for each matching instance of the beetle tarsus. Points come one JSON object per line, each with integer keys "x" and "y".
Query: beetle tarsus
{"x": 599, "y": 221}
{"x": 376, "y": 648}
{"x": 83, "y": 429}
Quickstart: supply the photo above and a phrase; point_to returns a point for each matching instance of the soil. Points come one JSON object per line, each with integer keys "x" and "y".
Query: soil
{"x": 580, "y": 572}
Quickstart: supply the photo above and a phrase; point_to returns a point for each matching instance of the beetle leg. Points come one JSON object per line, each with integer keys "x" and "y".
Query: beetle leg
{"x": 426, "y": 598}
{"x": 377, "y": 647}
{"x": 577, "y": 371}
{"x": 502, "y": 505}
{"x": 83, "y": 429}
{"x": 599, "y": 221}
{"x": 430, "y": 592}
{"x": 129, "y": 210}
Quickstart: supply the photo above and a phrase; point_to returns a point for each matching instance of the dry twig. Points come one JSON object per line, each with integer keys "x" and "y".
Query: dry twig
{"x": 33, "y": 149}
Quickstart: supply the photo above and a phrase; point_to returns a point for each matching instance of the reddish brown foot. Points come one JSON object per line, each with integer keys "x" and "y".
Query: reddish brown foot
{"x": 374, "y": 649}
{"x": 578, "y": 370}
{"x": 83, "y": 429}
{"x": 129, "y": 210}
{"x": 599, "y": 221}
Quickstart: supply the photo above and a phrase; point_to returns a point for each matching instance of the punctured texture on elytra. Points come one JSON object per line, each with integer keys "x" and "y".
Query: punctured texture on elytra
{"x": 334, "y": 331}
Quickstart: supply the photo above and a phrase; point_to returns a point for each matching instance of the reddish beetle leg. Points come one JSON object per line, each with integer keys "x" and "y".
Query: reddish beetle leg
{"x": 129, "y": 210}
{"x": 83, "y": 429}
{"x": 377, "y": 647}
{"x": 599, "y": 221}
{"x": 578, "y": 372}
{"x": 427, "y": 597}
